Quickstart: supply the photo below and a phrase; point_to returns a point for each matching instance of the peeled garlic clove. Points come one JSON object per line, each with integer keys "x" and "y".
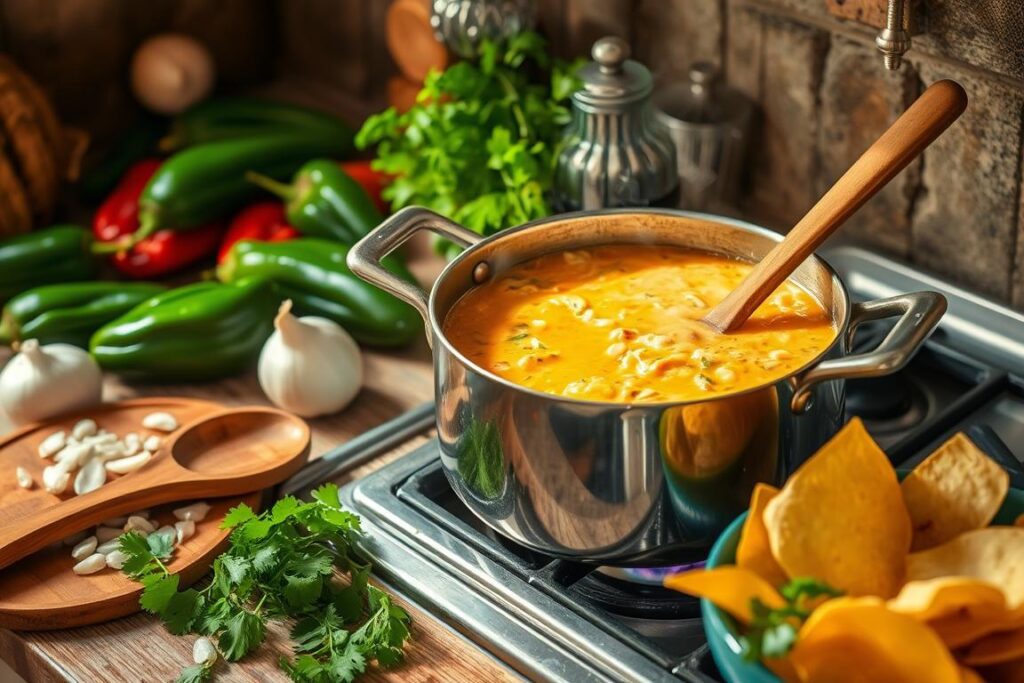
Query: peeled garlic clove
{"x": 185, "y": 529}
{"x": 129, "y": 464}
{"x": 160, "y": 421}
{"x": 115, "y": 559}
{"x": 52, "y": 444}
{"x": 169, "y": 531}
{"x": 203, "y": 651}
{"x": 92, "y": 476}
{"x": 109, "y": 546}
{"x": 55, "y": 479}
{"x": 75, "y": 539}
{"x": 137, "y": 523}
{"x": 23, "y": 478}
{"x": 196, "y": 512}
{"x": 132, "y": 443}
{"x": 309, "y": 366}
{"x": 105, "y": 533}
{"x": 84, "y": 548}
{"x": 91, "y": 564}
{"x": 152, "y": 443}
{"x": 74, "y": 456}
{"x": 116, "y": 522}
{"x": 83, "y": 428}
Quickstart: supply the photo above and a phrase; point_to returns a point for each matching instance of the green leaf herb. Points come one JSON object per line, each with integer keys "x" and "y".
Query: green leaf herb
{"x": 480, "y": 460}
{"x": 772, "y": 632}
{"x": 280, "y": 565}
{"x": 480, "y": 144}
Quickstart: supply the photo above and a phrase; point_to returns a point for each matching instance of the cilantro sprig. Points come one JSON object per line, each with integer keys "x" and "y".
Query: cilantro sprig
{"x": 480, "y": 144}
{"x": 773, "y": 631}
{"x": 280, "y": 565}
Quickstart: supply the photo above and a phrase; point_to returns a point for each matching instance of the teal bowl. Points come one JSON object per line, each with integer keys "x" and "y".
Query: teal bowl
{"x": 721, "y": 630}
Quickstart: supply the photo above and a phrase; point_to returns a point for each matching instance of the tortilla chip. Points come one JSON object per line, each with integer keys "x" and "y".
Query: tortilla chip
{"x": 996, "y": 648}
{"x": 994, "y": 555}
{"x": 967, "y": 627}
{"x": 956, "y": 489}
{"x": 859, "y": 639}
{"x": 949, "y": 595}
{"x": 840, "y": 518}
{"x": 970, "y": 675}
{"x": 753, "y": 551}
{"x": 729, "y": 588}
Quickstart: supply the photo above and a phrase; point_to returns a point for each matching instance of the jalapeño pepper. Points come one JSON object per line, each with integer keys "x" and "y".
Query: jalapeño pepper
{"x": 313, "y": 274}
{"x": 197, "y": 332}
{"x": 325, "y": 201}
{"x": 70, "y": 312}
{"x": 207, "y": 182}
{"x": 62, "y": 253}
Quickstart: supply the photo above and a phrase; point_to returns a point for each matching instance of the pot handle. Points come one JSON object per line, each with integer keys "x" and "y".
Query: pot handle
{"x": 919, "y": 314}
{"x": 365, "y": 255}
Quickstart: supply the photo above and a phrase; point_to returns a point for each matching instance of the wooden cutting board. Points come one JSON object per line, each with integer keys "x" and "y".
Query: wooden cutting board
{"x": 41, "y": 592}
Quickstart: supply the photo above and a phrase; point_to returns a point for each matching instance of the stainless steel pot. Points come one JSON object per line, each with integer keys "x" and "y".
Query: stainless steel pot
{"x": 618, "y": 483}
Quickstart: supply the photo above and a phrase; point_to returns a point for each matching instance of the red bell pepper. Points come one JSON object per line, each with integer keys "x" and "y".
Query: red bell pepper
{"x": 263, "y": 221}
{"x": 161, "y": 253}
{"x": 372, "y": 181}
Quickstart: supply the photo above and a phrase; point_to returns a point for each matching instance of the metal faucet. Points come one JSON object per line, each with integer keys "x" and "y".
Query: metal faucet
{"x": 894, "y": 39}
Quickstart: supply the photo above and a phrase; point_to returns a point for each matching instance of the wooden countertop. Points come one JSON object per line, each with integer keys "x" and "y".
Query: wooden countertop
{"x": 139, "y": 649}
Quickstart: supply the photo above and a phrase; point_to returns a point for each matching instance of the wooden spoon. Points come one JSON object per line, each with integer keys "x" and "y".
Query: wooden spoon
{"x": 933, "y": 112}
{"x": 227, "y": 453}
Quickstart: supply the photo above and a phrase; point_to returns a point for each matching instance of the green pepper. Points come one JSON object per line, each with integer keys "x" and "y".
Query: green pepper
{"x": 224, "y": 118}
{"x": 313, "y": 274}
{"x": 324, "y": 201}
{"x": 207, "y": 182}
{"x": 70, "y": 312}
{"x": 201, "y": 331}
{"x": 62, "y": 253}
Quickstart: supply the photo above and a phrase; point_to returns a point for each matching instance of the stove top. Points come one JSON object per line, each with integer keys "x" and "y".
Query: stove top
{"x": 552, "y": 619}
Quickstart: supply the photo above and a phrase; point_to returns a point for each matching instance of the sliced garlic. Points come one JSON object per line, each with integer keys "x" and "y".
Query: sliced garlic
{"x": 92, "y": 476}
{"x": 91, "y": 564}
{"x": 160, "y": 421}
{"x": 132, "y": 443}
{"x": 185, "y": 529}
{"x": 115, "y": 559}
{"x": 74, "y": 456}
{"x": 55, "y": 479}
{"x": 84, "y": 548}
{"x": 52, "y": 444}
{"x": 129, "y": 464}
{"x": 84, "y": 428}
{"x": 152, "y": 443}
{"x": 23, "y": 478}
{"x": 196, "y": 512}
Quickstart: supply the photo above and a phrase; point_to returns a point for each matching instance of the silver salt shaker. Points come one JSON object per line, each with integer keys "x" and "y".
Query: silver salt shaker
{"x": 615, "y": 152}
{"x": 463, "y": 24}
{"x": 709, "y": 124}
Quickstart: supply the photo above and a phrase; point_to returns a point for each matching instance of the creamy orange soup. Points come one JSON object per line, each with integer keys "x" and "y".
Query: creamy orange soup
{"x": 622, "y": 323}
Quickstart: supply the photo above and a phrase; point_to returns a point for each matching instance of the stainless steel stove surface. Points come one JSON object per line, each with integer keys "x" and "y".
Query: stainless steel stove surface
{"x": 550, "y": 619}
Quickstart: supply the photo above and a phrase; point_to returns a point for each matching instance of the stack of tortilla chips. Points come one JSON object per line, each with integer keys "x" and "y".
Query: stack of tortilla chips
{"x": 930, "y": 591}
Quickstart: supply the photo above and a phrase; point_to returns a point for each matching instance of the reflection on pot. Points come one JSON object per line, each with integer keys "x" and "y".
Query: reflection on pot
{"x": 714, "y": 453}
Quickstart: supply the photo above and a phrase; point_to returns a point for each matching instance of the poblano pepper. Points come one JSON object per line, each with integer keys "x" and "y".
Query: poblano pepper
{"x": 200, "y": 331}
{"x": 313, "y": 274}
{"x": 62, "y": 253}
{"x": 70, "y": 312}
{"x": 324, "y": 201}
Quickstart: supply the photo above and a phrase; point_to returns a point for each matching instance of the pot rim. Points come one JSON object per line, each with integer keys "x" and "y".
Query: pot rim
{"x": 438, "y": 331}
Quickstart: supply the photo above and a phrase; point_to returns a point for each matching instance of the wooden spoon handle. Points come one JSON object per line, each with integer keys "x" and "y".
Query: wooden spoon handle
{"x": 933, "y": 112}
{"x": 22, "y": 537}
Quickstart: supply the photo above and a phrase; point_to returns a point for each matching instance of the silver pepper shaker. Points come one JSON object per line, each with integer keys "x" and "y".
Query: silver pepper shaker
{"x": 615, "y": 152}
{"x": 709, "y": 124}
{"x": 463, "y": 24}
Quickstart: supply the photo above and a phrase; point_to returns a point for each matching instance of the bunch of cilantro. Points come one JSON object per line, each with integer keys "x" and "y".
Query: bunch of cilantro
{"x": 279, "y": 565}
{"x": 773, "y": 631}
{"x": 481, "y": 142}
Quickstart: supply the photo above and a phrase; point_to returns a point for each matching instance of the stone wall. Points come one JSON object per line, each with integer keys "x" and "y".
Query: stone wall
{"x": 824, "y": 96}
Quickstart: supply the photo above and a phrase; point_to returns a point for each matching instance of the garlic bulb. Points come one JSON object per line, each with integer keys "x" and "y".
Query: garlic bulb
{"x": 310, "y": 366}
{"x": 171, "y": 72}
{"x": 43, "y": 381}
